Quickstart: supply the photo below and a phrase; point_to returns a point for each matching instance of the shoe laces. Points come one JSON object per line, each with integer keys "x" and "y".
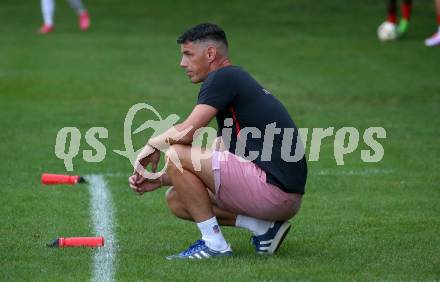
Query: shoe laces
{"x": 194, "y": 247}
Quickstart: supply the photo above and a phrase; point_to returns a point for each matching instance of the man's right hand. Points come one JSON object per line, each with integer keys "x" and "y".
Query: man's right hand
{"x": 148, "y": 155}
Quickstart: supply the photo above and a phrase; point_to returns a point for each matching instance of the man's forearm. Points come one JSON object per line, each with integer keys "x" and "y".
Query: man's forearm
{"x": 183, "y": 133}
{"x": 179, "y": 134}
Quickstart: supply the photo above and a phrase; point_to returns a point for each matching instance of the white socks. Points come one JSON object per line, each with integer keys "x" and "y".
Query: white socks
{"x": 212, "y": 234}
{"x": 77, "y": 5}
{"x": 255, "y": 225}
{"x": 48, "y": 8}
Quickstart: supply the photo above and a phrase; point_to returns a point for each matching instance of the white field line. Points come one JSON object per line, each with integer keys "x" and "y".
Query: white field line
{"x": 102, "y": 213}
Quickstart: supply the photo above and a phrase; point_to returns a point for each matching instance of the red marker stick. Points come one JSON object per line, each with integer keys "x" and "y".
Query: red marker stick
{"x": 51, "y": 179}
{"x": 92, "y": 242}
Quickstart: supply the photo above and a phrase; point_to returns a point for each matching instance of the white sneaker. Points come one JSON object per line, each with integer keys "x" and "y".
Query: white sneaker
{"x": 433, "y": 40}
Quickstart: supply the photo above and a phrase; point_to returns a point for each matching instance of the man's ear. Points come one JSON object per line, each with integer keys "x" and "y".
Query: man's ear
{"x": 211, "y": 53}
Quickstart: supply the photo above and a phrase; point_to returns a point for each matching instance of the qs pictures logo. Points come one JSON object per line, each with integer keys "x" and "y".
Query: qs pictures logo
{"x": 346, "y": 140}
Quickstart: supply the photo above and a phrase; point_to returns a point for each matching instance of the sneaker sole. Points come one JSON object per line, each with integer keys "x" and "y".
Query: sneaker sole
{"x": 279, "y": 238}
{"x": 222, "y": 256}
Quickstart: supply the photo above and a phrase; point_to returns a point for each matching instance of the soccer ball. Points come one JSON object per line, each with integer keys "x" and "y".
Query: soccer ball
{"x": 387, "y": 31}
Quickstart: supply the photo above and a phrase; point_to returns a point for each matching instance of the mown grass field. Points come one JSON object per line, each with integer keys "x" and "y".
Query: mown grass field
{"x": 360, "y": 221}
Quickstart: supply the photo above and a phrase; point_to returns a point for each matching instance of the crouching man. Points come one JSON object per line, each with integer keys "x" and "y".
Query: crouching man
{"x": 253, "y": 178}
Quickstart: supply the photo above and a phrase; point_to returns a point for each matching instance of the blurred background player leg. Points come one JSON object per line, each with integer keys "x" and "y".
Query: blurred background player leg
{"x": 400, "y": 28}
{"x": 392, "y": 11}
{"x": 406, "y": 15}
{"x": 387, "y": 31}
{"x": 47, "y": 9}
{"x": 435, "y": 39}
{"x": 83, "y": 15}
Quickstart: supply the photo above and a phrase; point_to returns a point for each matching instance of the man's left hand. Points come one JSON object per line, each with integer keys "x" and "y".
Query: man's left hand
{"x": 144, "y": 186}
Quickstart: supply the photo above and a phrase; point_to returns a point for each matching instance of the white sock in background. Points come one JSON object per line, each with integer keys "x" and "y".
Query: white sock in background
{"x": 48, "y": 9}
{"x": 212, "y": 234}
{"x": 255, "y": 225}
{"x": 77, "y": 5}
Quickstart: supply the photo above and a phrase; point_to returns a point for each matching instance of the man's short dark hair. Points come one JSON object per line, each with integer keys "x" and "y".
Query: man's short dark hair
{"x": 202, "y": 32}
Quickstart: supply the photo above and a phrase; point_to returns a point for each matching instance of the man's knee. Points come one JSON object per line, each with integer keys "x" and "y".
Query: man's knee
{"x": 176, "y": 155}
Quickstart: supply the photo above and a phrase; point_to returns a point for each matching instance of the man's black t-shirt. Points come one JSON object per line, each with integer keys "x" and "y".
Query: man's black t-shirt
{"x": 252, "y": 112}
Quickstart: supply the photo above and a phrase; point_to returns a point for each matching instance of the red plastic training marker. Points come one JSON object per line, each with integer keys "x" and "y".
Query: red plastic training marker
{"x": 51, "y": 179}
{"x": 92, "y": 242}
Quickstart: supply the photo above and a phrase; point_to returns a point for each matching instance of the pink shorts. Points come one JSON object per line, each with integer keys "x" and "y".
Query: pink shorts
{"x": 241, "y": 188}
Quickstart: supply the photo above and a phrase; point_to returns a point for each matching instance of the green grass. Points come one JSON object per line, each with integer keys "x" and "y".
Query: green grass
{"x": 360, "y": 221}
